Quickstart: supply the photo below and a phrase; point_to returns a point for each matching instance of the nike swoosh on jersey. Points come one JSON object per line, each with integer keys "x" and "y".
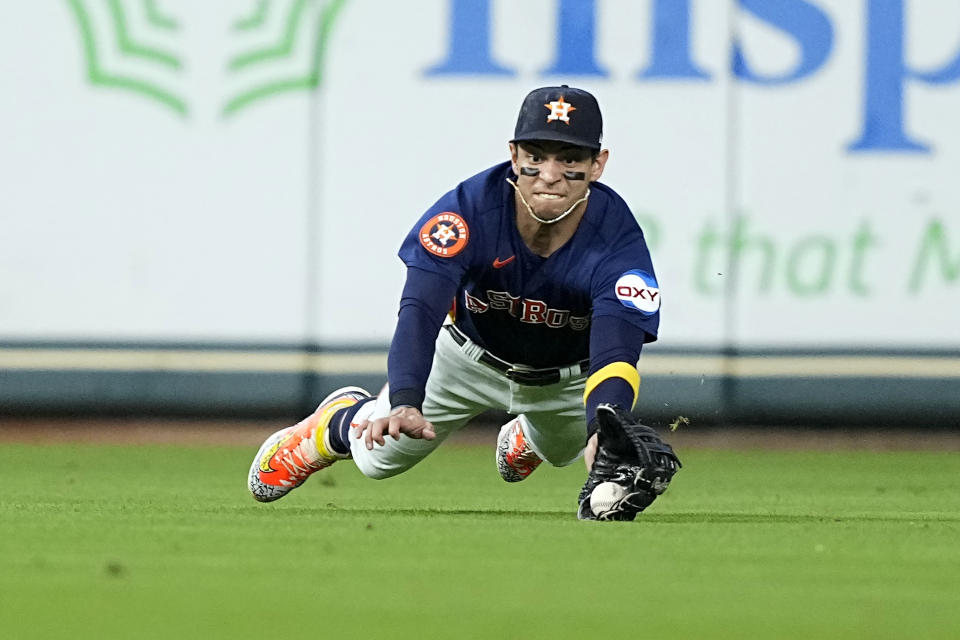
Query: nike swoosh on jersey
{"x": 499, "y": 264}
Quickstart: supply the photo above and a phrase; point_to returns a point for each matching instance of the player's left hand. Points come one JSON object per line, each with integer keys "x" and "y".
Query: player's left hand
{"x": 631, "y": 455}
{"x": 590, "y": 451}
{"x": 407, "y": 420}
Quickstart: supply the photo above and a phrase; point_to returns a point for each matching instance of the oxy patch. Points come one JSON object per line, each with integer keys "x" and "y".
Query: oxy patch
{"x": 639, "y": 290}
{"x": 445, "y": 234}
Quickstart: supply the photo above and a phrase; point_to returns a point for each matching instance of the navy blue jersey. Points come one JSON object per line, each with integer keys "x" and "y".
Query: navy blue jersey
{"x": 524, "y": 308}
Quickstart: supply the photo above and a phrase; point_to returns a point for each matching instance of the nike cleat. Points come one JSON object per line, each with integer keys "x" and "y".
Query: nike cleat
{"x": 516, "y": 459}
{"x": 290, "y": 455}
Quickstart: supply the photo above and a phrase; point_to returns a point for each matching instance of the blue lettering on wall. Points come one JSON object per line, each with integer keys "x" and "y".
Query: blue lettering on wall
{"x": 806, "y": 23}
{"x": 670, "y": 44}
{"x": 576, "y": 42}
{"x": 468, "y": 48}
{"x": 883, "y": 126}
{"x": 886, "y": 73}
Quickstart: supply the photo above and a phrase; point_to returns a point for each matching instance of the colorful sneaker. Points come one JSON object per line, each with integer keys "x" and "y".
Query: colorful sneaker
{"x": 515, "y": 458}
{"x": 290, "y": 455}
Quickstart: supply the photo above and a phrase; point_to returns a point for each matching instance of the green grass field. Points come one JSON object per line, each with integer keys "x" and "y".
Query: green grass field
{"x": 165, "y": 542}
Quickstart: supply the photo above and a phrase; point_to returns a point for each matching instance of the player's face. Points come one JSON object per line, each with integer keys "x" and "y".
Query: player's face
{"x": 563, "y": 174}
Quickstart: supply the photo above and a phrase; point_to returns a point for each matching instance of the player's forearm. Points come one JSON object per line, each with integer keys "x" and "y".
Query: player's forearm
{"x": 426, "y": 299}
{"x": 614, "y": 350}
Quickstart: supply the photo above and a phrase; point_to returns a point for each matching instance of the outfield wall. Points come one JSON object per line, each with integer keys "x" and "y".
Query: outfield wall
{"x": 202, "y": 202}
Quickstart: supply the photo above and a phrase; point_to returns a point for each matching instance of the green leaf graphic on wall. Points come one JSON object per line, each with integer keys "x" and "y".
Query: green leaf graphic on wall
{"x": 304, "y": 23}
{"x": 148, "y": 57}
{"x": 153, "y": 60}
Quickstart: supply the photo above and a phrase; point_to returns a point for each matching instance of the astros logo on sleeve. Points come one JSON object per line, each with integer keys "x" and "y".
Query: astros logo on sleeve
{"x": 637, "y": 289}
{"x": 445, "y": 234}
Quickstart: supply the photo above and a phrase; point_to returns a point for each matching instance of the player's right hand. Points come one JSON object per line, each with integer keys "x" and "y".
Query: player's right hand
{"x": 407, "y": 420}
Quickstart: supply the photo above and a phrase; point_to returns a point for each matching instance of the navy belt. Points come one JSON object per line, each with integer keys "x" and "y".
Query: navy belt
{"x": 521, "y": 374}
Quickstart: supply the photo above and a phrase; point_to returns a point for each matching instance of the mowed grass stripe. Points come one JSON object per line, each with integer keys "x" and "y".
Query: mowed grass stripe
{"x": 162, "y": 542}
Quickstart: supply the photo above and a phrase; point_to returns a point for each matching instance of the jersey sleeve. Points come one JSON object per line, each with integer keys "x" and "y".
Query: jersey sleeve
{"x": 625, "y": 286}
{"x": 614, "y": 351}
{"x": 426, "y": 299}
{"x": 440, "y": 242}
{"x": 437, "y": 252}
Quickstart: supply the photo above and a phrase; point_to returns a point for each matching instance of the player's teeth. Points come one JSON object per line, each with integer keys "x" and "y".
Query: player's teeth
{"x": 549, "y": 196}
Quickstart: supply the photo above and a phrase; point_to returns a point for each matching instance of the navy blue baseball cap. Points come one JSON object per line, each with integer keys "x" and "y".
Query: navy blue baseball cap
{"x": 561, "y": 114}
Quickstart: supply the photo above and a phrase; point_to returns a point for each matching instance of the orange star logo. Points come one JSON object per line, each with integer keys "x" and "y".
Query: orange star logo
{"x": 560, "y": 110}
{"x": 444, "y": 234}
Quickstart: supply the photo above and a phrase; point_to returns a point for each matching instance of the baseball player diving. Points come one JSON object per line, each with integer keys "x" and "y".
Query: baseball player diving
{"x": 529, "y": 289}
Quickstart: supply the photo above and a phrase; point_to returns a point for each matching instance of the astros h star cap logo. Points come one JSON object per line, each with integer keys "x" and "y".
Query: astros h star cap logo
{"x": 560, "y": 114}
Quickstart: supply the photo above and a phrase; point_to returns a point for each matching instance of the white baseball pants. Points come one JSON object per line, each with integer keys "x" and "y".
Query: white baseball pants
{"x": 460, "y": 388}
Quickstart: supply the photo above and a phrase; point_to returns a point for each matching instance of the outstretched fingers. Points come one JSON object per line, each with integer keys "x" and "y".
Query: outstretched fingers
{"x": 426, "y": 432}
{"x": 407, "y": 420}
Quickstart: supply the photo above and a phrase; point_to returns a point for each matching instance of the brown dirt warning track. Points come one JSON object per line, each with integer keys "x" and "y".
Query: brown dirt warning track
{"x": 252, "y": 432}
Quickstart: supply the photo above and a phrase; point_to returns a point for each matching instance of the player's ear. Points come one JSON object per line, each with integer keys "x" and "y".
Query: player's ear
{"x": 514, "y": 158}
{"x": 596, "y": 167}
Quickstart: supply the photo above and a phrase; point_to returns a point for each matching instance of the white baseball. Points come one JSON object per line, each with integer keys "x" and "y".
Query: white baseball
{"x": 604, "y": 496}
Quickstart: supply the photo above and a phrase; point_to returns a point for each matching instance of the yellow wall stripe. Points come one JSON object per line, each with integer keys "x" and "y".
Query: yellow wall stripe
{"x": 375, "y": 362}
{"x": 191, "y": 360}
{"x": 614, "y": 370}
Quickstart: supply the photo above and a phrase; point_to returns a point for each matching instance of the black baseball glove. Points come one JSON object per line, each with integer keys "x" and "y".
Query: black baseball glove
{"x": 633, "y": 456}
